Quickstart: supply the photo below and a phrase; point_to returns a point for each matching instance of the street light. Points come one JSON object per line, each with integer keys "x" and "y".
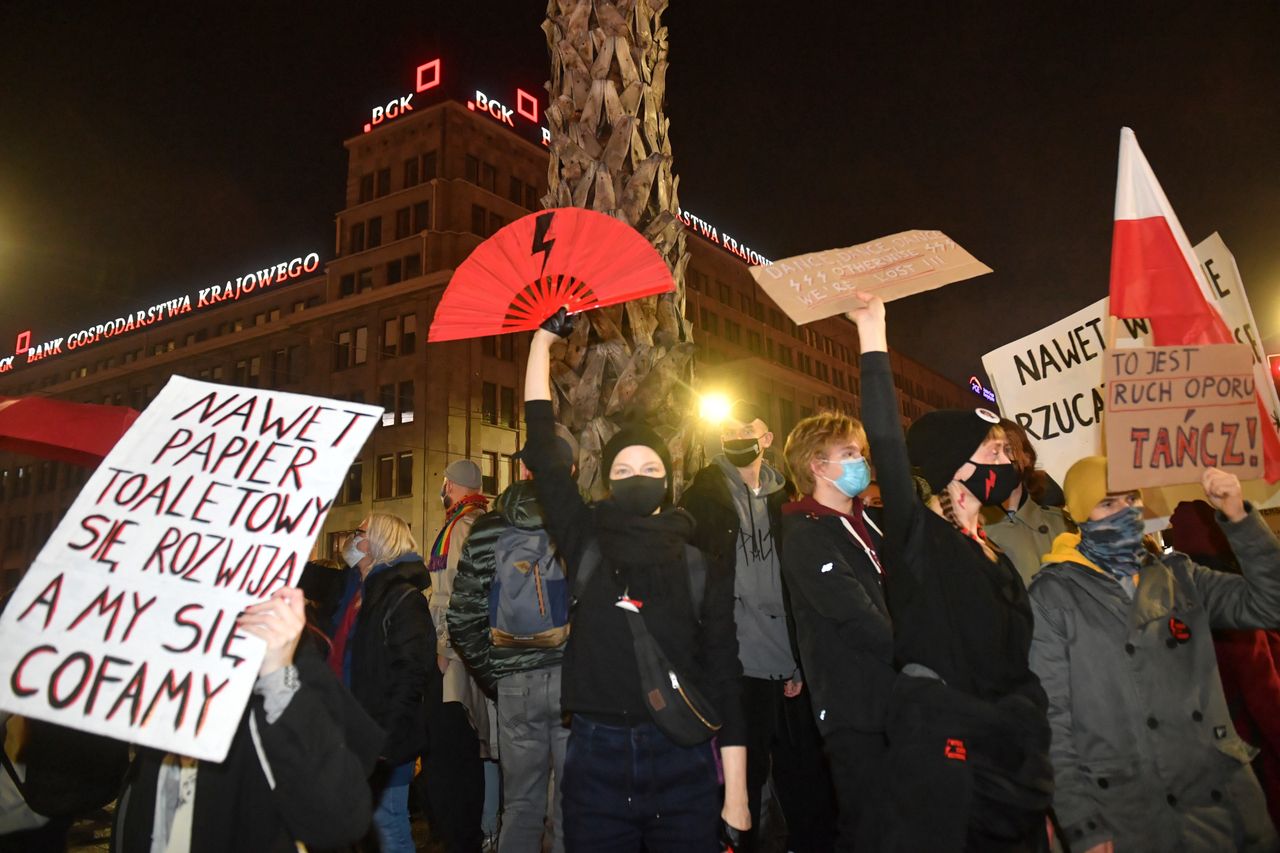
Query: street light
{"x": 714, "y": 408}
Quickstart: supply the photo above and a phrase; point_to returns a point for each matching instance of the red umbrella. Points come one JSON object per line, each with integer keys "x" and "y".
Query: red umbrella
{"x": 523, "y": 274}
{"x": 79, "y": 433}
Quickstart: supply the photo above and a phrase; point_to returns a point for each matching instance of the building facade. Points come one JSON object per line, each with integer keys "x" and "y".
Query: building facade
{"x": 422, "y": 192}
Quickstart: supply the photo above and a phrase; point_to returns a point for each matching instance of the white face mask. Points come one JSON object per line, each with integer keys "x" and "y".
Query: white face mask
{"x": 351, "y": 552}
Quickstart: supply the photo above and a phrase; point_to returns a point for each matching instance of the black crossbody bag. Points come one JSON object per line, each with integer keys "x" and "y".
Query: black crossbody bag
{"x": 676, "y": 707}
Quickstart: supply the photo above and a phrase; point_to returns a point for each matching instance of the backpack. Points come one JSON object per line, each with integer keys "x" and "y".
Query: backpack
{"x": 529, "y": 596}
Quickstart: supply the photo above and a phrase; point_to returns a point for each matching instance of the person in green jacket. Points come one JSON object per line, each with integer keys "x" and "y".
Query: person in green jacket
{"x": 523, "y": 673}
{"x": 1026, "y": 524}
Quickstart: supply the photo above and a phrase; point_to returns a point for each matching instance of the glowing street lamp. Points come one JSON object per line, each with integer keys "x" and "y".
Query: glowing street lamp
{"x": 714, "y": 408}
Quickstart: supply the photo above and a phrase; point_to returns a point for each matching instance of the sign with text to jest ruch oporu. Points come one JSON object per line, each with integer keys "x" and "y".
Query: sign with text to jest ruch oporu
{"x": 1172, "y": 412}
{"x": 125, "y": 624}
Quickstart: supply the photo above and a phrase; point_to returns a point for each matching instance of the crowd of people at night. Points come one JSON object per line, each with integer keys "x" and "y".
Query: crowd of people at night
{"x": 863, "y": 639}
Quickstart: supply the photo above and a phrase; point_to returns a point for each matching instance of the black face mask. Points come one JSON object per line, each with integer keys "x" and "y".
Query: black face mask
{"x": 741, "y": 452}
{"x": 445, "y": 499}
{"x": 637, "y": 494}
{"x": 992, "y": 484}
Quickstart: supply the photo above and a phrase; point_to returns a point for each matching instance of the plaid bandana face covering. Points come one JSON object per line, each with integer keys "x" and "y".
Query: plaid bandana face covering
{"x": 1115, "y": 542}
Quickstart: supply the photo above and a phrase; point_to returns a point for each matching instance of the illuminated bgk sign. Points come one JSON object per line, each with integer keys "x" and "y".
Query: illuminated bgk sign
{"x": 205, "y": 297}
{"x": 526, "y": 107}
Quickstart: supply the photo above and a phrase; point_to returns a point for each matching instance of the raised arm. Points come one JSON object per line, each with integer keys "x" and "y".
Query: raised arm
{"x": 1252, "y": 598}
{"x": 566, "y": 513}
{"x": 884, "y": 425}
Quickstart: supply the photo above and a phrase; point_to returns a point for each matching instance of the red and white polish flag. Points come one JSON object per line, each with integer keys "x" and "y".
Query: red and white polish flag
{"x": 1155, "y": 273}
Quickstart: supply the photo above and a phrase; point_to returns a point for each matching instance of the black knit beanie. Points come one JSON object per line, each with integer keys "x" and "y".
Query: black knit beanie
{"x": 634, "y": 433}
{"x": 941, "y": 441}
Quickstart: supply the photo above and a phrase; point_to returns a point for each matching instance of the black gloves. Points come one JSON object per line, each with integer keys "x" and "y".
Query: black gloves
{"x": 730, "y": 838}
{"x": 560, "y": 323}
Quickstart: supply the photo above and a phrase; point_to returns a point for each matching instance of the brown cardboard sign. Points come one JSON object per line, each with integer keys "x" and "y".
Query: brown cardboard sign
{"x": 1172, "y": 412}
{"x": 821, "y": 284}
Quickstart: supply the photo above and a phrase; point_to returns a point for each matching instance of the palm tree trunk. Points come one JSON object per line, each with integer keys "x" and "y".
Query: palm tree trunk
{"x": 610, "y": 152}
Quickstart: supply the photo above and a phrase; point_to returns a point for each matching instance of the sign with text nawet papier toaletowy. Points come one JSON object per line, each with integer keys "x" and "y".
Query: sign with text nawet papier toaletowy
{"x": 125, "y": 624}
{"x": 1172, "y": 412}
{"x": 822, "y": 284}
{"x": 1051, "y": 381}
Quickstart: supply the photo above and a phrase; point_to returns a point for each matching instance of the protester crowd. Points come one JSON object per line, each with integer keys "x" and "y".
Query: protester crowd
{"x": 957, "y": 655}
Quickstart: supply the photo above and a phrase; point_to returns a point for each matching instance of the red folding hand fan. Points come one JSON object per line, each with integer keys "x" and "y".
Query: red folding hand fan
{"x": 523, "y": 274}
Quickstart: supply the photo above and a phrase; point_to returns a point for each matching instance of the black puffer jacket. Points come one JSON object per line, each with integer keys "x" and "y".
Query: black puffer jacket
{"x": 468, "y": 614}
{"x": 393, "y": 672}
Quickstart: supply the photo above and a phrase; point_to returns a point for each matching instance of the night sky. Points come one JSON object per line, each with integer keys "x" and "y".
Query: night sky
{"x": 146, "y": 151}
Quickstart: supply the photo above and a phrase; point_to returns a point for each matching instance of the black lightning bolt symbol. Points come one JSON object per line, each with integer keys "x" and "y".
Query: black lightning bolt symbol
{"x": 540, "y": 241}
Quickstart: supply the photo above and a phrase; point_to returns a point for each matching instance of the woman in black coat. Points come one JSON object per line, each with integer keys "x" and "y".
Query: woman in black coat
{"x": 296, "y": 771}
{"x": 384, "y": 650}
{"x": 628, "y": 786}
{"x": 967, "y": 767}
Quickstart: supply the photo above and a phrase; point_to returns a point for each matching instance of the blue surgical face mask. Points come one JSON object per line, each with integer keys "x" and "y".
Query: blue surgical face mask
{"x": 1115, "y": 542}
{"x": 854, "y": 477}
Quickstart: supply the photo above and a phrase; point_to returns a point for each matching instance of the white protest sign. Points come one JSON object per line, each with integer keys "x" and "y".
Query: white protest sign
{"x": 1050, "y": 382}
{"x": 125, "y": 624}
{"x": 1229, "y": 298}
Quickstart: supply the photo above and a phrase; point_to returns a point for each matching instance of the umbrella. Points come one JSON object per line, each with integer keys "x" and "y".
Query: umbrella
{"x": 79, "y": 433}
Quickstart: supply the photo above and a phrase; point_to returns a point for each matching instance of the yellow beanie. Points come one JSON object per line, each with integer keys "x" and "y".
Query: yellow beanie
{"x": 1084, "y": 486}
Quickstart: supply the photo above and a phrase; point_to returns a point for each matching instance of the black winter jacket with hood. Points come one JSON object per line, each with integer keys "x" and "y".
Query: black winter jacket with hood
{"x": 393, "y": 672}
{"x": 468, "y": 614}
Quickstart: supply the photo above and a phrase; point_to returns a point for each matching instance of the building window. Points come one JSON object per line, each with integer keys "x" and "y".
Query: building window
{"x": 530, "y": 197}
{"x": 248, "y": 371}
{"x": 384, "y": 181}
{"x": 404, "y": 401}
{"x": 375, "y": 232}
{"x": 412, "y": 266}
{"x": 356, "y": 243}
{"x": 515, "y": 190}
{"x": 732, "y": 331}
{"x": 402, "y": 223}
{"x": 428, "y": 165}
{"x": 411, "y": 172}
{"x": 489, "y": 472}
{"x": 395, "y": 271}
{"x": 399, "y": 335}
{"x": 489, "y": 402}
{"x": 364, "y": 280}
{"x": 495, "y": 222}
{"x": 753, "y": 342}
{"x": 479, "y": 216}
{"x": 394, "y": 475}
{"x": 499, "y": 346}
{"x": 347, "y": 285}
{"x": 421, "y": 216}
{"x": 351, "y": 348}
{"x": 507, "y": 406}
{"x": 352, "y": 485}
{"x": 488, "y": 177}
{"x": 397, "y": 403}
{"x": 387, "y": 399}
{"x": 279, "y": 367}
{"x": 366, "y": 188}
{"x": 473, "y": 169}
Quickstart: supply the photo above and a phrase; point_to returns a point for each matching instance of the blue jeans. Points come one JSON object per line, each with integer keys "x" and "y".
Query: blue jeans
{"x": 391, "y": 819}
{"x": 631, "y": 788}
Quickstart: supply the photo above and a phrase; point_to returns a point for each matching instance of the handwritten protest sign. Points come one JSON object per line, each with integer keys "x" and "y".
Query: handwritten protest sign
{"x": 821, "y": 284}
{"x": 125, "y": 625}
{"x": 1051, "y": 383}
{"x": 1171, "y": 412}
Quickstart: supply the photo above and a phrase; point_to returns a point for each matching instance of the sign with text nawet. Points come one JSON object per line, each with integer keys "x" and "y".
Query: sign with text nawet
{"x": 1172, "y": 412}
{"x": 822, "y": 284}
{"x": 125, "y": 624}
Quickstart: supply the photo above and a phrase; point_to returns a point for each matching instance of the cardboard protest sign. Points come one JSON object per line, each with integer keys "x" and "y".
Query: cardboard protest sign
{"x": 1171, "y": 412}
{"x": 1050, "y": 382}
{"x": 821, "y": 284}
{"x": 125, "y": 624}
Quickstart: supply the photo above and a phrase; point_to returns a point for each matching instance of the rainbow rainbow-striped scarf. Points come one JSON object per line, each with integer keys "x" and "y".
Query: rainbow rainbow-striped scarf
{"x": 438, "y": 560}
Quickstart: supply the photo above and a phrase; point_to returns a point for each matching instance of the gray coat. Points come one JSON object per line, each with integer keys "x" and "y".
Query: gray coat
{"x": 1143, "y": 747}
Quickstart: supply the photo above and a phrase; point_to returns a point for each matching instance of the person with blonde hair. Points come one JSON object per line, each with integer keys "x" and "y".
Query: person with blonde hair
{"x": 836, "y": 585}
{"x": 967, "y": 766}
{"x": 384, "y": 651}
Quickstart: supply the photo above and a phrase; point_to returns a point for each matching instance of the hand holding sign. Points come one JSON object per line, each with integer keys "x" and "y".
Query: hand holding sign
{"x": 279, "y": 622}
{"x": 1224, "y": 492}
{"x": 869, "y": 318}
